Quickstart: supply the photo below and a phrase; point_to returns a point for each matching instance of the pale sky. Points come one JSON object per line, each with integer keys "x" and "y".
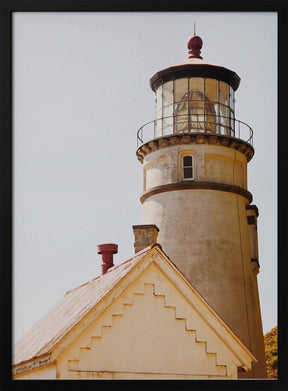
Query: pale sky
{"x": 81, "y": 91}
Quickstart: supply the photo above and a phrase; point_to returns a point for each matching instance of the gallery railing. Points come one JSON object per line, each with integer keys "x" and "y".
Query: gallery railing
{"x": 195, "y": 123}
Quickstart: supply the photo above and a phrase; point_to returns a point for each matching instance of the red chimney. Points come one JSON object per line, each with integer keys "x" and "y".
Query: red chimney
{"x": 107, "y": 250}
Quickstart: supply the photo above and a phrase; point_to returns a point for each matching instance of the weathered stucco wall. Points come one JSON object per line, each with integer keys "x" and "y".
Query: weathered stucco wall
{"x": 201, "y": 232}
{"x": 213, "y": 163}
{"x": 205, "y": 233}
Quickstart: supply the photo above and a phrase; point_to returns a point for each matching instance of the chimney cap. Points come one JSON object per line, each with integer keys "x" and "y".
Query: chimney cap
{"x": 145, "y": 226}
{"x": 107, "y": 247}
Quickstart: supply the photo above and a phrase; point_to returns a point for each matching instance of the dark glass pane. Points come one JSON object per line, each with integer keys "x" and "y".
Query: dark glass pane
{"x": 188, "y": 172}
{"x": 187, "y": 161}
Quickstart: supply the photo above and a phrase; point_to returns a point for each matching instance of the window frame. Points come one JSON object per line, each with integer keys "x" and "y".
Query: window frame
{"x": 182, "y": 155}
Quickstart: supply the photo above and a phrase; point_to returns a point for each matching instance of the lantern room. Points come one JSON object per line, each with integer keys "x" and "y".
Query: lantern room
{"x": 195, "y": 97}
{"x": 194, "y": 104}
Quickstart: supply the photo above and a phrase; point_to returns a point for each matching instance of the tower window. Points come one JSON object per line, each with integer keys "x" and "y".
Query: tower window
{"x": 188, "y": 167}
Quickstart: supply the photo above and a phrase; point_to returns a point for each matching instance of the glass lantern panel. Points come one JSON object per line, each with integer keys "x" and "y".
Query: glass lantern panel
{"x": 168, "y": 93}
{"x": 181, "y": 124}
{"x": 159, "y": 99}
{"x": 159, "y": 114}
{"x": 168, "y": 111}
{"x": 211, "y": 90}
{"x": 212, "y": 109}
{"x": 181, "y": 104}
{"x": 180, "y": 109}
{"x": 211, "y": 117}
{"x": 167, "y": 120}
{"x": 224, "y": 93}
{"x": 231, "y": 95}
{"x": 224, "y": 120}
{"x": 196, "y": 116}
{"x": 181, "y": 90}
{"x": 158, "y": 128}
{"x": 196, "y": 84}
{"x": 195, "y": 103}
{"x": 232, "y": 123}
{"x": 196, "y": 107}
{"x": 158, "y": 122}
{"x": 223, "y": 111}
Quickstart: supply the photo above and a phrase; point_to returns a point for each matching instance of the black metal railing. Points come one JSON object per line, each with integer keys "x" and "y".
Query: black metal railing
{"x": 195, "y": 123}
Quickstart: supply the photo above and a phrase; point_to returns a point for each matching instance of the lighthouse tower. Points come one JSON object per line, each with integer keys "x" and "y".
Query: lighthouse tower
{"x": 195, "y": 155}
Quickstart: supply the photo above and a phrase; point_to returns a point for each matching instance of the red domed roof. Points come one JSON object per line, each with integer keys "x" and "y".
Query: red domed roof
{"x": 194, "y": 45}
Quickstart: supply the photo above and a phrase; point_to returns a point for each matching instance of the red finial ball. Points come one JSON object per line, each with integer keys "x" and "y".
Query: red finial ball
{"x": 194, "y": 45}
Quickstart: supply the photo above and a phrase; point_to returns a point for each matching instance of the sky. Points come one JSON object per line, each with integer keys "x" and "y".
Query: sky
{"x": 80, "y": 93}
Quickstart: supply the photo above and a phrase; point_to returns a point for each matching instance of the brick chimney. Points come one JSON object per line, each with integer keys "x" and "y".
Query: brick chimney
{"x": 144, "y": 235}
{"x": 107, "y": 250}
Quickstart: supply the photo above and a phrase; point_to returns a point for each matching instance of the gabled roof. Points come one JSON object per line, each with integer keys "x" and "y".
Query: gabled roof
{"x": 80, "y": 306}
{"x": 76, "y": 303}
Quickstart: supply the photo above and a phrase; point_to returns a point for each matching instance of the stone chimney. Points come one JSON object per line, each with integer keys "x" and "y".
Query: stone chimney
{"x": 107, "y": 250}
{"x": 144, "y": 235}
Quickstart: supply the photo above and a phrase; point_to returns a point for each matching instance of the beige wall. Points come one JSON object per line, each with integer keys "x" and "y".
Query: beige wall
{"x": 200, "y": 232}
{"x": 213, "y": 163}
{"x": 150, "y": 331}
{"x": 205, "y": 233}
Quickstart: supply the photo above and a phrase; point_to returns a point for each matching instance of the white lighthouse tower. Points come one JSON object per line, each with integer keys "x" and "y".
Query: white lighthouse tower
{"x": 194, "y": 157}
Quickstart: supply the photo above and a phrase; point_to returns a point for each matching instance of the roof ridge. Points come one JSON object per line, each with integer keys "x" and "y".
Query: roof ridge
{"x": 141, "y": 252}
{"x": 111, "y": 269}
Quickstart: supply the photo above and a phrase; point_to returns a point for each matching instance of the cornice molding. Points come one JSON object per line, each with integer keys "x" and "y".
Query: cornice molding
{"x": 195, "y": 138}
{"x": 195, "y": 70}
{"x": 35, "y": 363}
{"x": 191, "y": 185}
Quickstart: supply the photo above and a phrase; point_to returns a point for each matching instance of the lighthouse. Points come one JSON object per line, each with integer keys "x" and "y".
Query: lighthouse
{"x": 195, "y": 155}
